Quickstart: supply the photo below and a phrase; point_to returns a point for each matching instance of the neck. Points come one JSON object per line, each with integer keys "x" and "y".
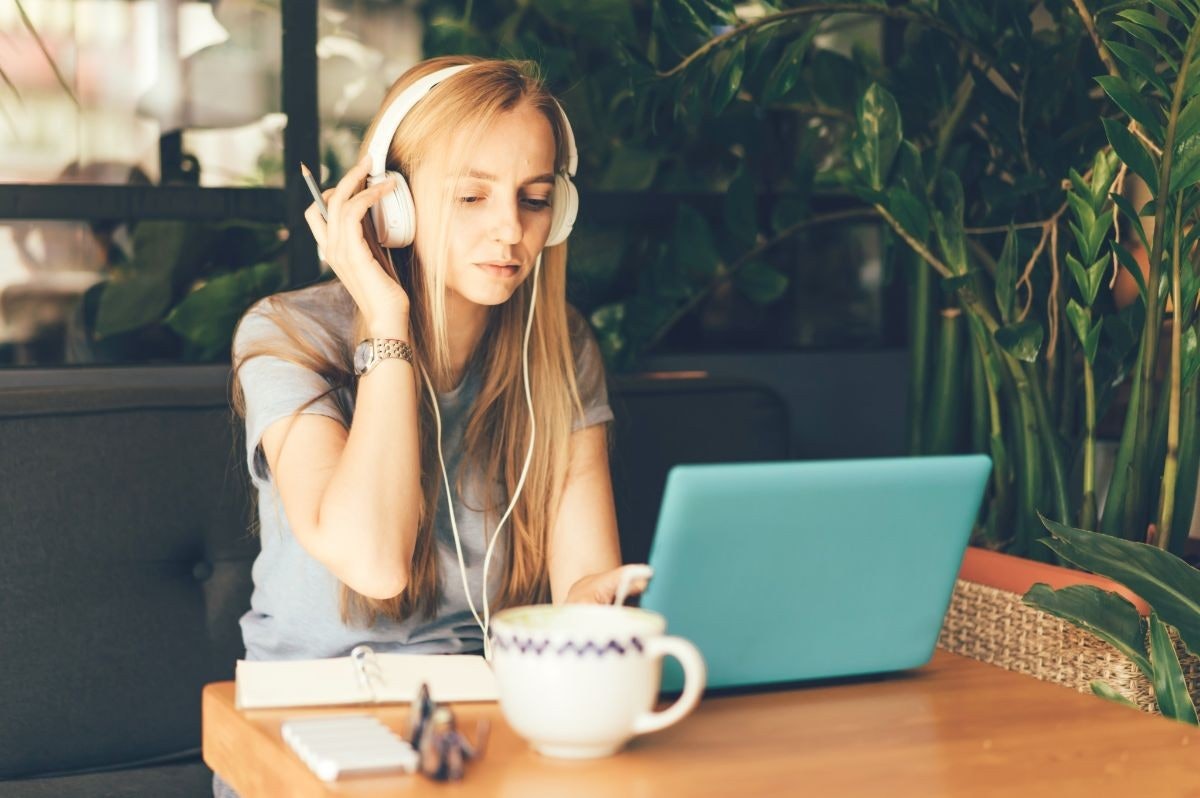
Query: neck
{"x": 465, "y": 322}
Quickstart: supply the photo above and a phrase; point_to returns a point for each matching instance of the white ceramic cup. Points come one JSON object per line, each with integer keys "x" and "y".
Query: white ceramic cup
{"x": 578, "y": 681}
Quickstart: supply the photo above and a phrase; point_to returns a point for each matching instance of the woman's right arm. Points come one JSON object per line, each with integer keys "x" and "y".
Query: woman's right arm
{"x": 352, "y": 497}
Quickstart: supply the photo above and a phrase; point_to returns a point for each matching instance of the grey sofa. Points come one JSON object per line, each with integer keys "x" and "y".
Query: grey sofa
{"x": 126, "y": 562}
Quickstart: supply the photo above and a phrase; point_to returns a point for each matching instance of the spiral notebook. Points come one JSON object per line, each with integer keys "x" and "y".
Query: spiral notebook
{"x": 364, "y": 677}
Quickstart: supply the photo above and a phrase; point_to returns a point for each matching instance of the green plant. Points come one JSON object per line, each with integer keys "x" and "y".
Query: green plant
{"x": 182, "y": 289}
{"x": 1170, "y": 586}
{"x": 993, "y": 142}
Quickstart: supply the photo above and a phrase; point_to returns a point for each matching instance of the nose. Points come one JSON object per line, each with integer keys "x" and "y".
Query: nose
{"x": 506, "y": 222}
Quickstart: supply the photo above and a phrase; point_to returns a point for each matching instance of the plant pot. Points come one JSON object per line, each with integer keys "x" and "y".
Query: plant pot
{"x": 989, "y": 622}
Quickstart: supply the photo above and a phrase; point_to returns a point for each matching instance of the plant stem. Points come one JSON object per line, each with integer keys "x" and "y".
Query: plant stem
{"x": 1101, "y": 50}
{"x": 1087, "y": 511}
{"x": 920, "y": 315}
{"x": 917, "y": 246}
{"x": 944, "y": 411}
{"x": 979, "y": 403}
{"x": 1189, "y": 470}
{"x": 1153, "y": 305}
{"x": 993, "y": 377}
{"x": 1119, "y": 490}
{"x": 949, "y": 126}
{"x": 1166, "y": 505}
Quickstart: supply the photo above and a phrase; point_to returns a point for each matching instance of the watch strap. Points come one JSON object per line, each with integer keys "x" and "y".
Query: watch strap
{"x": 384, "y": 348}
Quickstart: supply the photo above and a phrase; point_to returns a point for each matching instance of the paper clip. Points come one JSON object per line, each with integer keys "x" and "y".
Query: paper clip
{"x": 367, "y": 669}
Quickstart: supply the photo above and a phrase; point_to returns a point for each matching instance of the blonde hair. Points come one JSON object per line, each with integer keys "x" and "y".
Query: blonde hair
{"x": 497, "y": 432}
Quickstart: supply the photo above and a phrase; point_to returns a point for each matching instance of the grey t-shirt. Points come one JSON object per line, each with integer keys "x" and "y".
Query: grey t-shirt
{"x": 294, "y": 609}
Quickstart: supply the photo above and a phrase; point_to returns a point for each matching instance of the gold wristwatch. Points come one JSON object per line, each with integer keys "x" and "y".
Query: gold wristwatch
{"x": 370, "y": 351}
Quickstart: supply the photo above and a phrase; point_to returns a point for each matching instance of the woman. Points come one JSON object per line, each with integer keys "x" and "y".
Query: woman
{"x": 358, "y": 541}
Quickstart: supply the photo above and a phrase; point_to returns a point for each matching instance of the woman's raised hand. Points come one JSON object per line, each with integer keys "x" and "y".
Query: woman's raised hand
{"x": 348, "y": 244}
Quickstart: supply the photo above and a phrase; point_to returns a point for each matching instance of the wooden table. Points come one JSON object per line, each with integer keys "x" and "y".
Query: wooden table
{"x": 953, "y": 728}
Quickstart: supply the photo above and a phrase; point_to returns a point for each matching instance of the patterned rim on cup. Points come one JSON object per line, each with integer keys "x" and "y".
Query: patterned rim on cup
{"x": 529, "y": 645}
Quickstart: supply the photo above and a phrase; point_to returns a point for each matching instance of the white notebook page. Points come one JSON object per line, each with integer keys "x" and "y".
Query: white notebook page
{"x": 327, "y": 682}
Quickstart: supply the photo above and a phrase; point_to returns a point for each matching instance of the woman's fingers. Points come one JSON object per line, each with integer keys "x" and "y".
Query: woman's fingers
{"x": 357, "y": 206}
{"x": 348, "y": 185}
{"x": 316, "y": 224}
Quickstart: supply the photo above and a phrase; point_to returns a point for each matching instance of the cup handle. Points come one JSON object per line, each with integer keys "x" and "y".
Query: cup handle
{"x": 694, "y": 674}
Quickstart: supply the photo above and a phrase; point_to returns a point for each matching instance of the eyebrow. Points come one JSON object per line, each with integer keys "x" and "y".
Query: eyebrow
{"x": 548, "y": 177}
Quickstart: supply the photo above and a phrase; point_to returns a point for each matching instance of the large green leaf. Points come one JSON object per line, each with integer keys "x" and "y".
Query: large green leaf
{"x": 878, "y": 135}
{"x": 1151, "y": 22}
{"x": 728, "y": 67}
{"x": 760, "y": 282}
{"x": 1170, "y": 689}
{"x": 677, "y": 24}
{"x": 1081, "y": 323}
{"x": 1131, "y": 151}
{"x": 1104, "y": 171}
{"x": 787, "y": 70}
{"x": 1132, "y": 268}
{"x": 1139, "y": 64}
{"x": 1190, "y": 355}
{"x": 1107, "y": 691}
{"x": 1185, "y": 168}
{"x": 1107, "y": 615}
{"x": 129, "y": 301}
{"x": 948, "y": 222}
{"x": 1132, "y": 103}
{"x": 1172, "y": 8}
{"x": 1165, "y": 582}
{"x": 208, "y": 315}
{"x": 1022, "y": 340}
{"x": 1135, "y": 221}
{"x": 1089, "y": 279}
{"x": 909, "y": 212}
{"x": 1147, "y": 36}
{"x": 1189, "y": 120}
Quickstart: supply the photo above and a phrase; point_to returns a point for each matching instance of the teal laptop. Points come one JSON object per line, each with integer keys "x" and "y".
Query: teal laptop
{"x": 790, "y": 571}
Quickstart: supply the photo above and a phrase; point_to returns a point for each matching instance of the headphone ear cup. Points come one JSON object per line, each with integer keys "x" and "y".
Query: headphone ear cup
{"x": 565, "y": 207}
{"x": 394, "y": 216}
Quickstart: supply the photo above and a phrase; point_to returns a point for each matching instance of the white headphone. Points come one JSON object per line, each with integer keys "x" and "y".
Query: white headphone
{"x": 395, "y": 216}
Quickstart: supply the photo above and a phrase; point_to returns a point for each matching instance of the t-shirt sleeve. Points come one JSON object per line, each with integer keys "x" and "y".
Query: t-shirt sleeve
{"x": 274, "y": 387}
{"x": 589, "y": 374}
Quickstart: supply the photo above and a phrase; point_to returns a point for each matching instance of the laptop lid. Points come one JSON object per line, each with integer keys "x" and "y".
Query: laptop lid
{"x": 784, "y": 571}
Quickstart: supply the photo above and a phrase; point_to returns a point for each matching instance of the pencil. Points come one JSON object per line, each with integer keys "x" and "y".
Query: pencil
{"x": 315, "y": 191}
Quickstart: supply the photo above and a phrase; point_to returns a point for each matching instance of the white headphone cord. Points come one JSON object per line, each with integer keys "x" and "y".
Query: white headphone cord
{"x": 483, "y": 624}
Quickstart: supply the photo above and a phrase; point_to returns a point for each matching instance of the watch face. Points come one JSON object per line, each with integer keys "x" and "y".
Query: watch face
{"x": 362, "y": 355}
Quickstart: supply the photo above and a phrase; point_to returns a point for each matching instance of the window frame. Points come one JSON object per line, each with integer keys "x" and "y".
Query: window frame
{"x": 301, "y": 137}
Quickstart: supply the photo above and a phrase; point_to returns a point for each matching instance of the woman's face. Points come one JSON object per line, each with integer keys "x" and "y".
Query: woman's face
{"x": 501, "y": 213}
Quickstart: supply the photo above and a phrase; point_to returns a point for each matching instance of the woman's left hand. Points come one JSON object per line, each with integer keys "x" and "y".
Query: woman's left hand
{"x": 602, "y": 588}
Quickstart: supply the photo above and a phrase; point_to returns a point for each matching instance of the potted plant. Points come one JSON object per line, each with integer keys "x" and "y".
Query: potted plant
{"x": 1160, "y": 645}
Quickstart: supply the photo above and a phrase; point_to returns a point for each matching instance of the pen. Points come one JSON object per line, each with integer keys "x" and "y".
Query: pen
{"x": 315, "y": 191}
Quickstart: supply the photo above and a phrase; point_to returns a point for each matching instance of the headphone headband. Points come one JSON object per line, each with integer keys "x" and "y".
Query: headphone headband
{"x": 389, "y": 123}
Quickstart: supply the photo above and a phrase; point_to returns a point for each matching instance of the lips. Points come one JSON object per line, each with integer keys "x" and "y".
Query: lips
{"x": 500, "y": 269}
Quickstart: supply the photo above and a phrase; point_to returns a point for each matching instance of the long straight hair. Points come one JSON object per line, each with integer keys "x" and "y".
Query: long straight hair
{"x": 497, "y": 432}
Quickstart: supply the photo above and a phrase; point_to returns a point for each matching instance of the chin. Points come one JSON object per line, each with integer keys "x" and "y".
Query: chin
{"x": 489, "y": 295}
